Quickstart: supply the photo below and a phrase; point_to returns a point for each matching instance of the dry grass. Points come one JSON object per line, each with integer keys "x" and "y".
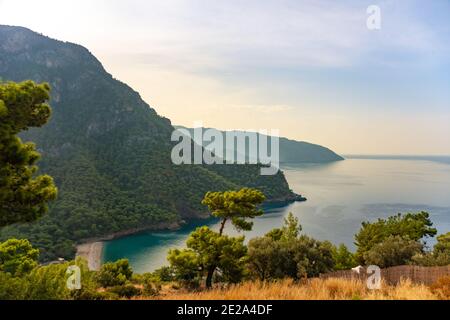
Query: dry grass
{"x": 441, "y": 288}
{"x": 315, "y": 289}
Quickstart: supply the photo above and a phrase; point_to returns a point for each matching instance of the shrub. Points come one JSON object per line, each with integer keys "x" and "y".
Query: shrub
{"x": 186, "y": 267}
{"x": 89, "y": 284}
{"x": 125, "y": 291}
{"x": 431, "y": 259}
{"x": 411, "y": 226}
{"x": 114, "y": 273}
{"x": 48, "y": 283}
{"x": 393, "y": 251}
{"x": 343, "y": 258}
{"x": 11, "y": 288}
{"x": 151, "y": 288}
{"x": 17, "y": 257}
{"x": 282, "y": 253}
{"x": 164, "y": 274}
{"x": 440, "y": 256}
{"x": 209, "y": 251}
{"x": 150, "y": 283}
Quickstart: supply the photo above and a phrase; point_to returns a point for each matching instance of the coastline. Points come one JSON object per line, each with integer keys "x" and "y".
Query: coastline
{"x": 293, "y": 197}
{"x": 92, "y": 249}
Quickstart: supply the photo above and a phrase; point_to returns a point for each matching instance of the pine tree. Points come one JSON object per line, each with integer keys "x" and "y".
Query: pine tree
{"x": 23, "y": 194}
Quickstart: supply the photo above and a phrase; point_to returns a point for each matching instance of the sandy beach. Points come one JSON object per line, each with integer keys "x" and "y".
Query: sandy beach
{"x": 92, "y": 250}
{"x": 92, "y": 253}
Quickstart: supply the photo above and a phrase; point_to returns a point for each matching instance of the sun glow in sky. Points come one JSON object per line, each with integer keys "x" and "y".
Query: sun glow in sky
{"x": 311, "y": 69}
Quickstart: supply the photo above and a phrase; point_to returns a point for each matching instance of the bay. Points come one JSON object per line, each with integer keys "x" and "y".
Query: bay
{"x": 340, "y": 195}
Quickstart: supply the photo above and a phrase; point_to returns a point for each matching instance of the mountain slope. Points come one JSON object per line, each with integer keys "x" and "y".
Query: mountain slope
{"x": 291, "y": 151}
{"x": 108, "y": 151}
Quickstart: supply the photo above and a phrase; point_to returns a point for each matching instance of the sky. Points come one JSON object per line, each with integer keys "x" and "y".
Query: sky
{"x": 311, "y": 69}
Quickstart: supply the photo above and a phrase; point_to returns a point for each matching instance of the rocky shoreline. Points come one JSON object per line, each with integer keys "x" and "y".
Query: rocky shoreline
{"x": 294, "y": 197}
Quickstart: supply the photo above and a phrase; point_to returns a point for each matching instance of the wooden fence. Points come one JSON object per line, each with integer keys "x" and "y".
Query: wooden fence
{"x": 393, "y": 275}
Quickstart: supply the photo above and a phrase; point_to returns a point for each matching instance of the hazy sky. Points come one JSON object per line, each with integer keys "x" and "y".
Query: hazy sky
{"x": 311, "y": 69}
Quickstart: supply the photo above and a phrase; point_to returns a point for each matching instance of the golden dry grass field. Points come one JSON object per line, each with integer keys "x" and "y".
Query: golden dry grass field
{"x": 314, "y": 289}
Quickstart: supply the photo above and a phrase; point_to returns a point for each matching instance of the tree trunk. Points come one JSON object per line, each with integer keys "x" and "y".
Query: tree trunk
{"x": 211, "y": 270}
{"x": 222, "y": 226}
{"x": 209, "y": 276}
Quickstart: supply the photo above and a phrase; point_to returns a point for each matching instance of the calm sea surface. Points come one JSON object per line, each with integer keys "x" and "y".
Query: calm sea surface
{"x": 340, "y": 196}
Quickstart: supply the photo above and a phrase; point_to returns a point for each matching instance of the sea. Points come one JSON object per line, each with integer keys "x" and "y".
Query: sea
{"x": 341, "y": 195}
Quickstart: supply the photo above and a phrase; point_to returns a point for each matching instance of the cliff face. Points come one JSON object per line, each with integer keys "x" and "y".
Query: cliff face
{"x": 108, "y": 151}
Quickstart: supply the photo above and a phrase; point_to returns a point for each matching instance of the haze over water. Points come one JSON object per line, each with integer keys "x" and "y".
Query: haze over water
{"x": 340, "y": 195}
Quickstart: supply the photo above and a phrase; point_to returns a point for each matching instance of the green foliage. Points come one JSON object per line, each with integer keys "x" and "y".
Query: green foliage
{"x": 21, "y": 278}
{"x": 430, "y": 259}
{"x": 89, "y": 284}
{"x": 186, "y": 266}
{"x": 289, "y": 231}
{"x": 215, "y": 250}
{"x": 164, "y": 274}
{"x": 284, "y": 253}
{"x": 313, "y": 257}
{"x": 411, "y": 226}
{"x": 235, "y": 206}
{"x": 208, "y": 250}
{"x": 440, "y": 256}
{"x": 281, "y": 253}
{"x": 23, "y": 196}
{"x": 269, "y": 259}
{"x": 343, "y": 258}
{"x": 150, "y": 282}
{"x": 125, "y": 291}
{"x": 291, "y": 228}
{"x": 114, "y": 273}
{"x": 151, "y": 287}
{"x": 393, "y": 251}
{"x": 109, "y": 153}
{"x": 17, "y": 257}
{"x": 11, "y": 288}
{"x": 443, "y": 244}
{"x": 48, "y": 283}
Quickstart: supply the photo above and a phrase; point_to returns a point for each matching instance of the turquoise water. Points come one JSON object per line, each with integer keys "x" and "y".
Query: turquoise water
{"x": 340, "y": 196}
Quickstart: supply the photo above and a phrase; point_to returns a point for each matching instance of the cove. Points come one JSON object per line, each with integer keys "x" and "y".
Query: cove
{"x": 340, "y": 195}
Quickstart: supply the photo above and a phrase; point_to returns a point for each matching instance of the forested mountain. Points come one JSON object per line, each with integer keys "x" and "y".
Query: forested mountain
{"x": 108, "y": 151}
{"x": 291, "y": 151}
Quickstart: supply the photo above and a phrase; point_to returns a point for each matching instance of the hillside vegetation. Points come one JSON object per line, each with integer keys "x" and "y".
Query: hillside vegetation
{"x": 107, "y": 151}
{"x": 283, "y": 264}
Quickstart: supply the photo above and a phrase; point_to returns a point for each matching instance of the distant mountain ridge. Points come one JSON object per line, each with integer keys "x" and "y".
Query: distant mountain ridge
{"x": 291, "y": 151}
{"x": 108, "y": 151}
